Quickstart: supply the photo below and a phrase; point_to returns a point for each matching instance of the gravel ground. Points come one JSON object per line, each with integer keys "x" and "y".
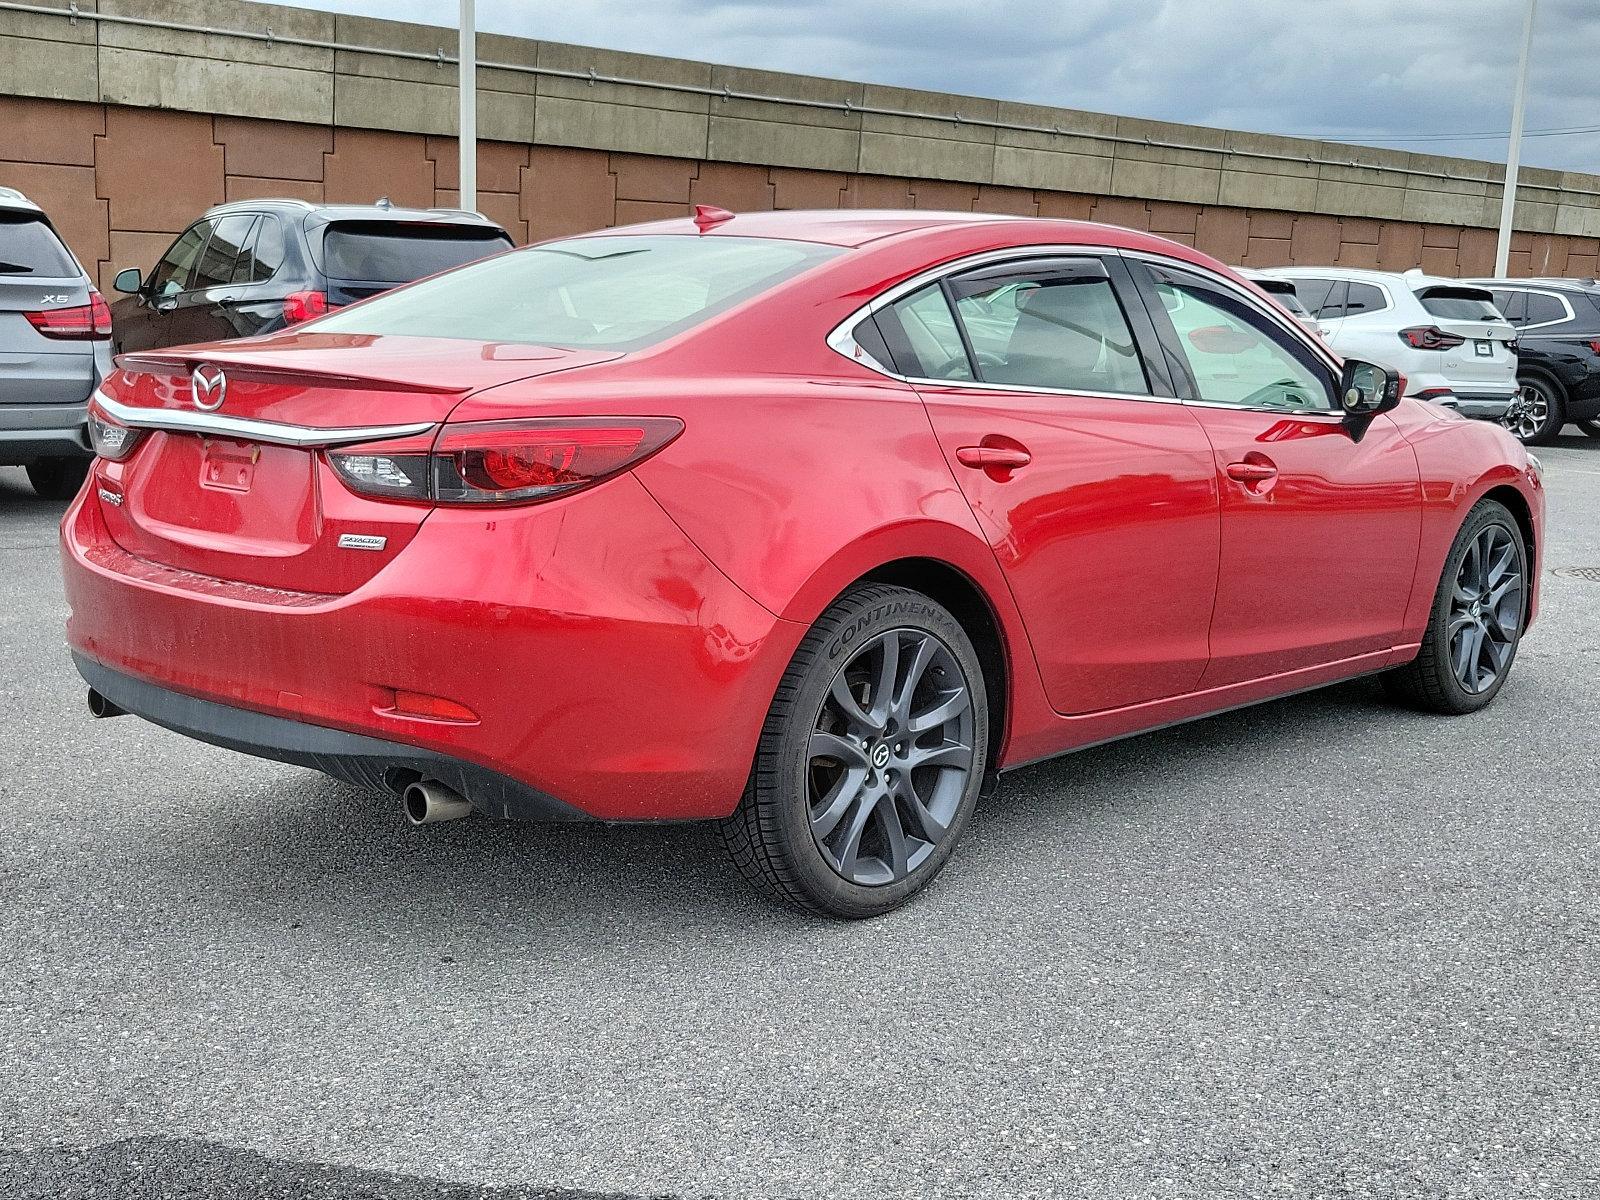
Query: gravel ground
{"x": 1322, "y": 947}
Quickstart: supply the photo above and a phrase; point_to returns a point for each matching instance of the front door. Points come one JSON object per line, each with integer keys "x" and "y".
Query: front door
{"x": 1096, "y": 492}
{"x": 1320, "y": 531}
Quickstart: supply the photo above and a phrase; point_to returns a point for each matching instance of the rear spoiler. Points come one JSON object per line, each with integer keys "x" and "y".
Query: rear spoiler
{"x": 242, "y": 368}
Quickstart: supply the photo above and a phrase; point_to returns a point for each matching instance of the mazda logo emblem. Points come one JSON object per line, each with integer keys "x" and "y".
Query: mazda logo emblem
{"x": 210, "y": 387}
{"x": 880, "y": 756}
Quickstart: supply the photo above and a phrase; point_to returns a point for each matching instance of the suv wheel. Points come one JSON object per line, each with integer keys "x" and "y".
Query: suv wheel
{"x": 1472, "y": 635}
{"x": 1592, "y": 428}
{"x": 58, "y": 478}
{"x": 1537, "y": 414}
{"x": 870, "y": 761}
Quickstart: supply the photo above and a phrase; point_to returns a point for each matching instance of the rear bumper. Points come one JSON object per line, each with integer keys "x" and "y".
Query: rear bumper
{"x": 353, "y": 757}
{"x": 609, "y": 665}
{"x": 34, "y": 431}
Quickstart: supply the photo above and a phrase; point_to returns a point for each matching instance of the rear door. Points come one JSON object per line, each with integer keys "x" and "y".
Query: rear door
{"x": 363, "y": 258}
{"x": 206, "y": 311}
{"x": 38, "y": 274}
{"x": 1093, "y": 486}
{"x": 1319, "y": 532}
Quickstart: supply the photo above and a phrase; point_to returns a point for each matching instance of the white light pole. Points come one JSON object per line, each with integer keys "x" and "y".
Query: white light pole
{"x": 1508, "y": 202}
{"x": 468, "y": 89}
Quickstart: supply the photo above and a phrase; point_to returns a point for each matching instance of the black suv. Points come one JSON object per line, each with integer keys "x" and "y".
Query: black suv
{"x": 254, "y": 266}
{"x": 1558, "y": 354}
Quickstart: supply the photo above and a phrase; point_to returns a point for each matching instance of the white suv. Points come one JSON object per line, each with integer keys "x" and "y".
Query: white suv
{"x": 1446, "y": 337}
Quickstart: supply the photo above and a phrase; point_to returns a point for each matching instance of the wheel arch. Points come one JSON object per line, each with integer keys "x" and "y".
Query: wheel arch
{"x": 1517, "y": 504}
{"x": 1545, "y": 375}
{"x": 958, "y": 592}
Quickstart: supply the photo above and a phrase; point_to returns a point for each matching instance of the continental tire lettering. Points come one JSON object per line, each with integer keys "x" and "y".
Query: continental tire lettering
{"x": 848, "y": 635}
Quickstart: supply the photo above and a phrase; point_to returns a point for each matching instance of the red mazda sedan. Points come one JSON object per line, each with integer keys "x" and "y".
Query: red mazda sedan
{"x": 808, "y": 523}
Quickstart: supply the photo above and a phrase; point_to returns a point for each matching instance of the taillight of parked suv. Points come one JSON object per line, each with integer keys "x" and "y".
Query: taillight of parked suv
{"x": 302, "y": 306}
{"x": 505, "y": 462}
{"x": 83, "y": 322}
{"x": 1430, "y": 337}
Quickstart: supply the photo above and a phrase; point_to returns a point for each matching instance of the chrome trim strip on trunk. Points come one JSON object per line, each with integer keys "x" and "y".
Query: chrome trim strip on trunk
{"x": 274, "y": 433}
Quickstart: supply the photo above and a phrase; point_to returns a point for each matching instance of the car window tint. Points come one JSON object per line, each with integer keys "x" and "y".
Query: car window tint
{"x": 1313, "y": 293}
{"x": 1459, "y": 304}
{"x": 220, "y": 256}
{"x": 922, "y": 335}
{"x": 266, "y": 251}
{"x": 615, "y": 293}
{"x": 245, "y": 263}
{"x": 28, "y": 246}
{"x": 1236, "y": 355}
{"x": 1333, "y": 307}
{"x": 389, "y": 252}
{"x": 1543, "y": 308}
{"x": 1051, "y": 330}
{"x": 172, "y": 273}
{"x": 1364, "y": 298}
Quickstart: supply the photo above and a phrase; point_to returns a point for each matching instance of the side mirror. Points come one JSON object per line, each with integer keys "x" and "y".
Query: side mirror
{"x": 1365, "y": 390}
{"x": 128, "y": 280}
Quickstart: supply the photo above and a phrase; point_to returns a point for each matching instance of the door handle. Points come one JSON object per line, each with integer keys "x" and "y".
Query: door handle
{"x": 1249, "y": 472}
{"x": 993, "y": 458}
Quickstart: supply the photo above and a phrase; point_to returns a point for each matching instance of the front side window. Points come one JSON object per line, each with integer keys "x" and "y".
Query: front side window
{"x": 608, "y": 293}
{"x": 217, "y": 261}
{"x": 1236, "y": 355}
{"x": 173, "y": 272}
{"x": 1057, "y": 327}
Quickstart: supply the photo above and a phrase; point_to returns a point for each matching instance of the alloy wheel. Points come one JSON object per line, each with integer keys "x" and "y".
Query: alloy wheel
{"x": 1528, "y": 413}
{"x": 1486, "y": 609}
{"x": 890, "y": 757}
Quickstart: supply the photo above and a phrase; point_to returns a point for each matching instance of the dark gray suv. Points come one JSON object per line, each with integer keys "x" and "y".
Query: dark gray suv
{"x": 55, "y": 347}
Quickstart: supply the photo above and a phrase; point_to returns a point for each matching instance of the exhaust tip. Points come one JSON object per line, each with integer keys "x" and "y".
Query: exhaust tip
{"x": 427, "y": 803}
{"x": 99, "y": 706}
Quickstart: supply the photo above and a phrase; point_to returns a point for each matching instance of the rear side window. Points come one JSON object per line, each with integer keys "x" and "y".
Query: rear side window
{"x": 1055, "y": 327}
{"x": 1364, "y": 298}
{"x": 28, "y": 246}
{"x": 608, "y": 293}
{"x": 923, "y": 337}
{"x": 389, "y": 252}
{"x": 1510, "y": 304}
{"x": 1543, "y": 309}
{"x": 264, "y": 256}
{"x": 1459, "y": 304}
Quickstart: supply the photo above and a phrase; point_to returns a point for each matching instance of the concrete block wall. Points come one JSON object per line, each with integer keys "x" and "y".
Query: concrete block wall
{"x": 127, "y": 131}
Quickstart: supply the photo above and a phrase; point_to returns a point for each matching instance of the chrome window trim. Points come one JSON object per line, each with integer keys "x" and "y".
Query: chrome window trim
{"x": 1570, "y": 315}
{"x": 274, "y": 433}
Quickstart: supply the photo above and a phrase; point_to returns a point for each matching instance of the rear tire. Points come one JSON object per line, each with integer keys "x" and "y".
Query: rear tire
{"x": 870, "y": 761}
{"x": 1476, "y": 624}
{"x": 58, "y": 478}
{"x": 1537, "y": 414}
{"x": 1592, "y": 428}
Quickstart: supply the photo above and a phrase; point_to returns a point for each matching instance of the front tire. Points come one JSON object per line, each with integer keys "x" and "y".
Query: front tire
{"x": 1538, "y": 413}
{"x": 870, "y": 761}
{"x": 1476, "y": 625}
{"x": 58, "y": 478}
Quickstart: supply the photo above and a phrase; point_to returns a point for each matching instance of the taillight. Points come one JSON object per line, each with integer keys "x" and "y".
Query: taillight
{"x": 302, "y": 306}
{"x": 506, "y": 462}
{"x": 1430, "y": 337}
{"x": 109, "y": 439}
{"x": 86, "y": 322}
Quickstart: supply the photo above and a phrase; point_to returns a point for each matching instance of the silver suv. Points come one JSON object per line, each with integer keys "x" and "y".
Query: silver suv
{"x": 55, "y": 347}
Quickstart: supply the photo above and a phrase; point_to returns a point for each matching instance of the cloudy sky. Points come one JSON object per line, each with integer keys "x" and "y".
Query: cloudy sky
{"x": 1373, "y": 71}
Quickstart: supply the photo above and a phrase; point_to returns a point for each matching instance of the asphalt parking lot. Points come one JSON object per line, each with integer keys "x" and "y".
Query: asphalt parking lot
{"x": 1324, "y": 947}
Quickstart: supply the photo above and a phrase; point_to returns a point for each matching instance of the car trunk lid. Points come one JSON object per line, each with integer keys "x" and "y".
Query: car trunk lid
{"x": 1486, "y": 353}
{"x": 233, "y": 482}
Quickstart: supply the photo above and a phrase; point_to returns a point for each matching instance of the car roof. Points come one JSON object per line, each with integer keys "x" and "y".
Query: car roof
{"x": 857, "y": 227}
{"x": 14, "y": 201}
{"x": 1572, "y": 285}
{"x": 329, "y": 213}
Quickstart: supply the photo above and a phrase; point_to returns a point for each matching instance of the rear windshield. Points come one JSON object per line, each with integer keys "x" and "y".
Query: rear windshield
{"x": 605, "y": 293}
{"x": 30, "y": 247}
{"x": 386, "y": 252}
{"x": 1459, "y": 304}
